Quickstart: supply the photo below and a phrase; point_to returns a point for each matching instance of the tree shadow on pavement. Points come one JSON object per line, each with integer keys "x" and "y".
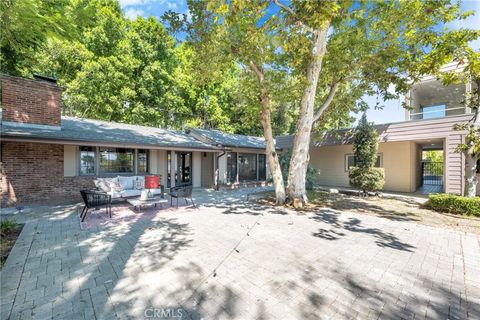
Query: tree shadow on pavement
{"x": 338, "y": 229}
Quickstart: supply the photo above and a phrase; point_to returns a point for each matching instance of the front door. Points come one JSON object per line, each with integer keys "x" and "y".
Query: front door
{"x": 184, "y": 168}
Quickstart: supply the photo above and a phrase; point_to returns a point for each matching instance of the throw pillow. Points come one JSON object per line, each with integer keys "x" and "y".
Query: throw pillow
{"x": 103, "y": 184}
{"x": 152, "y": 182}
{"x": 140, "y": 184}
{"x": 116, "y": 186}
{"x": 126, "y": 182}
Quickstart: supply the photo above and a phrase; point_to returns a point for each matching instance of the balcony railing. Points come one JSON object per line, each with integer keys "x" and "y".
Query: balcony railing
{"x": 434, "y": 114}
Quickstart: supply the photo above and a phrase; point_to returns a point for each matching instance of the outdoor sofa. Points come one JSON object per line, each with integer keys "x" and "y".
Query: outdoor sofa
{"x": 123, "y": 187}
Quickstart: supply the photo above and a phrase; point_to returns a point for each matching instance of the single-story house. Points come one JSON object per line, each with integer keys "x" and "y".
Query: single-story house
{"x": 49, "y": 157}
{"x": 433, "y": 111}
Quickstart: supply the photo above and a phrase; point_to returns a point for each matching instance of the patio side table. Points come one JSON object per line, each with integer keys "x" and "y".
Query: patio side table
{"x": 137, "y": 203}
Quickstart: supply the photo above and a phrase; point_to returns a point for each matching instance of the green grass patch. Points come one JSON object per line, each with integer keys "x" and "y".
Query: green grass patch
{"x": 454, "y": 204}
{"x": 7, "y": 225}
{"x": 9, "y": 232}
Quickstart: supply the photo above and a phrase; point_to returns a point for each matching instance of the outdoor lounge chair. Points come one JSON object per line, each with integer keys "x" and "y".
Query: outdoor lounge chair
{"x": 181, "y": 192}
{"x": 95, "y": 199}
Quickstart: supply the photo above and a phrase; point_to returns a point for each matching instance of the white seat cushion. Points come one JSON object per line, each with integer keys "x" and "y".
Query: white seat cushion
{"x": 114, "y": 194}
{"x": 130, "y": 193}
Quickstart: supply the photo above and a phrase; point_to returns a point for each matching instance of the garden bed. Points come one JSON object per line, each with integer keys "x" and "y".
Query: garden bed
{"x": 407, "y": 209}
{"x": 9, "y": 232}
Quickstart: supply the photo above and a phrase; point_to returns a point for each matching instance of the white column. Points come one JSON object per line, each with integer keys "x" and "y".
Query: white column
{"x": 173, "y": 167}
{"x": 197, "y": 168}
{"x": 408, "y": 102}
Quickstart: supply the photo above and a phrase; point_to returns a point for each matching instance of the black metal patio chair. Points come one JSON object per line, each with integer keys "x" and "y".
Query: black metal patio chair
{"x": 184, "y": 191}
{"x": 95, "y": 199}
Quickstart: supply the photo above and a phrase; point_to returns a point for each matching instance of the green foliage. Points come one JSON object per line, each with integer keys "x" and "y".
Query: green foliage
{"x": 433, "y": 155}
{"x": 25, "y": 25}
{"x": 454, "y": 204}
{"x": 312, "y": 173}
{"x": 365, "y": 146}
{"x": 115, "y": 69}
{"x": 7, "y": 225}
{"x": 366, "y": 179}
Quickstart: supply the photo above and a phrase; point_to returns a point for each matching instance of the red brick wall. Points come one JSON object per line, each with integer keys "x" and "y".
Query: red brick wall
{"x": 30, "y": 101}
{"x": 33, "y": 173}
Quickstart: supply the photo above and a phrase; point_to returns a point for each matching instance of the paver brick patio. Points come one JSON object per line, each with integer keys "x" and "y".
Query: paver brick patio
{"x": 236, "y": 260}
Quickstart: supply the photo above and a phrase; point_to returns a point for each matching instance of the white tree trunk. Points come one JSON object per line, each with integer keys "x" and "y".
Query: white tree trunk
{"x": 471, "y": 176}
{"x": 296, "y": 191}
{"x": 470, "y": 156}
{"x": 271, "y": 154}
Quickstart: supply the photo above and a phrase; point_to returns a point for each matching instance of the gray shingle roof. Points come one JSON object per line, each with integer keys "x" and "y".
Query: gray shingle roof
{"x": 328, "y": 138}
{"x": 86, "y": 130}
{"x": 217, "y": 137}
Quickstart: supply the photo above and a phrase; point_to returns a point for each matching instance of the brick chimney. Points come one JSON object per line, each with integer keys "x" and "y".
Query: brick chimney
{"x": 31, "y": 101}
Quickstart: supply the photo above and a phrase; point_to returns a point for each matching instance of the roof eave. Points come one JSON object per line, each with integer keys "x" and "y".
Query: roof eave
{"x": 29, "y": 138}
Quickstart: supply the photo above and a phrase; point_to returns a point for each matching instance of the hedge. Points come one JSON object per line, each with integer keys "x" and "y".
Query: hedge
{"x": 454, "y": 204}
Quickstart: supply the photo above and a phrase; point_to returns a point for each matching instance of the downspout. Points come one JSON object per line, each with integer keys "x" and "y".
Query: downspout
{"x": 217, "y": 177}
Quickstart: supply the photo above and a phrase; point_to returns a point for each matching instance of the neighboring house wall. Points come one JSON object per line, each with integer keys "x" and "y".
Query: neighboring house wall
{"x": 35, "y": 172}
{"x": 409, "y": 132}
{"x": 399, "y": 159}
{"x": 478, "y": 185}
{"x": 454, "y": 164}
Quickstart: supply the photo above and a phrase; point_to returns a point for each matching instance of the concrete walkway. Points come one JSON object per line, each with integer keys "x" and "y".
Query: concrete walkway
{"x": 232, "y": 259}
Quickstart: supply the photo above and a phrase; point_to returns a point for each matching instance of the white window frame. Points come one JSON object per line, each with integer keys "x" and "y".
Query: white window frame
{"x": 97, "y": 163}
{"x": 345, "y": 168}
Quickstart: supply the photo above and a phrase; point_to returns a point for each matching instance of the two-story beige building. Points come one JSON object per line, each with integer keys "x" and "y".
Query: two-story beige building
{"x": 428, "y": 125}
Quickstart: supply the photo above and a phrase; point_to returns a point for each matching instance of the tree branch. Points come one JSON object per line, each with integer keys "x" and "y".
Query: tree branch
{"x": 331, "y": 94}
{"x": 257, "y": 70}
{"x": 290, "y": 11}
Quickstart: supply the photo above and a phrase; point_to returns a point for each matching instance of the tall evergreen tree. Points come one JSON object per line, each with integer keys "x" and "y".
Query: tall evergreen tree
{"x": 365, "y": 144}
{"x": 363, "y": 174}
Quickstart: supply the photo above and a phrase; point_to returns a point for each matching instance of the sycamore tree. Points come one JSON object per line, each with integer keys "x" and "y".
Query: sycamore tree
{"x": 337, "y": 50}
{"x": 364, "y": 47}
{"x": 243, "y": 32}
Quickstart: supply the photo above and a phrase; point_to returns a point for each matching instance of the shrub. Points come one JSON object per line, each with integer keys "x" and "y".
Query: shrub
{"x": 363, "y": 174}
{"x": 367, "y": 179}
{"x": 310, "y": 179}
{"x": 454, "y": 204}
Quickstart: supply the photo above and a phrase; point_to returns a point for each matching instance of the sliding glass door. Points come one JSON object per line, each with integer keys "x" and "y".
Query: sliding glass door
{"x": 247, "y": 166}
{"x": 184, "y": 168}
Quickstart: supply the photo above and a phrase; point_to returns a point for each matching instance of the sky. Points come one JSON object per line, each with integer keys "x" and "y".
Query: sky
{"x": 392, "y": 111}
